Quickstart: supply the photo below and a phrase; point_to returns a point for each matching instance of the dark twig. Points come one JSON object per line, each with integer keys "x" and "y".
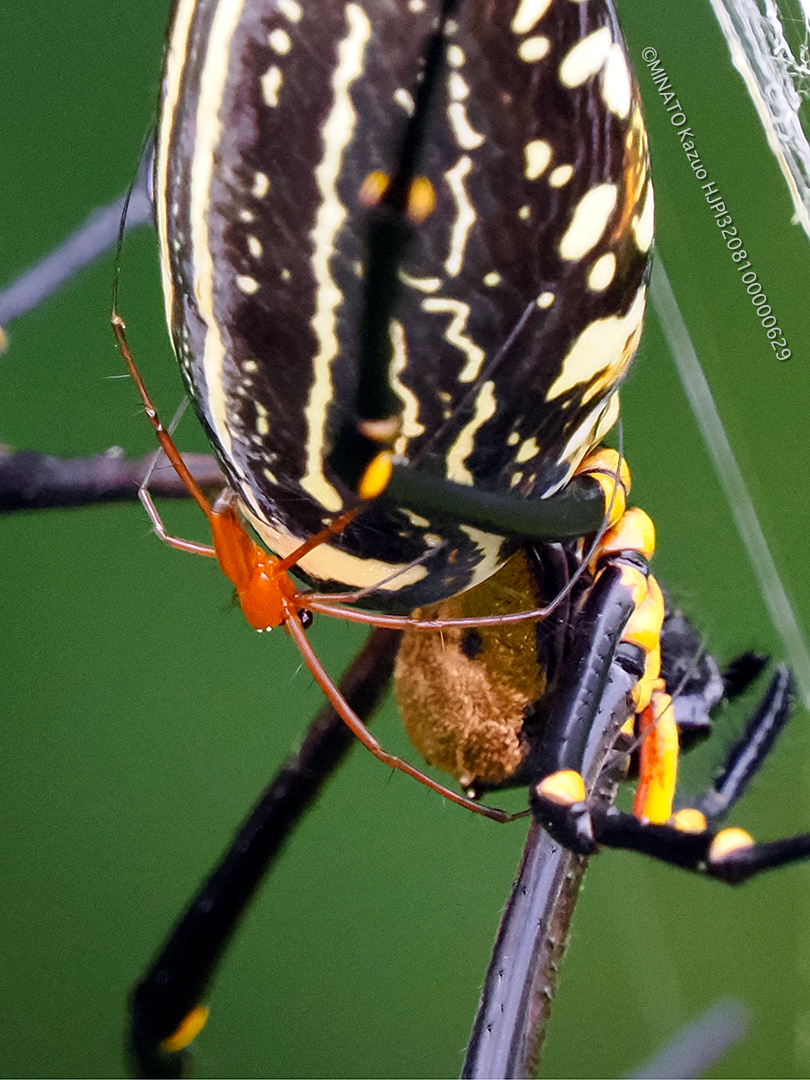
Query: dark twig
{"x": 177, "y": 980}
{"x": 34, "y": 481}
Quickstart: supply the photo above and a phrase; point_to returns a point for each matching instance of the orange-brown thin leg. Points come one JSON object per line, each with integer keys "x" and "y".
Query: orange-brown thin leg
{"x": 266, "y": 592}
{"x": 164, "y": 438}
{"x": 358, "y": 728}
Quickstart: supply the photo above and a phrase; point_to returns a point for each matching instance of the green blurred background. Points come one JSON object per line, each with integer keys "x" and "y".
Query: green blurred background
{"x": 141, "y": 718}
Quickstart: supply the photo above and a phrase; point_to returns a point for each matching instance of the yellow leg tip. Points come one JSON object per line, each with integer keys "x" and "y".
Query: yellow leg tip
{"x": 689, "y": 820}
{"x": 565, "y": 787}
{"x": 375, "y": 478}
{"x": 728, "y": 842}
{"x": 188, "y": 1031}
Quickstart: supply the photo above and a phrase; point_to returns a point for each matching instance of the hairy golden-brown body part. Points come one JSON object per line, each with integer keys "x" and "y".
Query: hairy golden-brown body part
{"x": 463, "y": 691}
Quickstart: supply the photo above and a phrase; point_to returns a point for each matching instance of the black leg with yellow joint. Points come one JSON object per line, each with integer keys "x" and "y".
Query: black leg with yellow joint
{"x": 689, "y": 837}
{"x": 167, "y": 1007}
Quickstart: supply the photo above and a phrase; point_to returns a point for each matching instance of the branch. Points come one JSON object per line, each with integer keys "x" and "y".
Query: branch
{"x": 179, "y": 977}
{"x": 33, "y": 481}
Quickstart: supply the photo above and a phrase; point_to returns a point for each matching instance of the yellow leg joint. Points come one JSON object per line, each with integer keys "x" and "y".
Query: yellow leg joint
{"x": 633, "y": 532}
{"x": 375, "y": 479}
{"x": 649, "y": 682}
{"x": 689, "y": 820}
{"x": 188, "y": 1031}
{"x": 607, "y": 461}
{"x": 628, "y": 728}
{"x": 644, "y": 625}
{"x": 727, "y": 842}
{"x": 565, "y": 787}
{"x": 644, "y": 630}
{"x": 635, "y": 581}
{"x": 605, "y": 466}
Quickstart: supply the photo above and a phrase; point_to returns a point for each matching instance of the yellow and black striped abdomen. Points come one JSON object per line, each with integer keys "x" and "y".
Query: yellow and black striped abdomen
{"x": 521, "y": 293}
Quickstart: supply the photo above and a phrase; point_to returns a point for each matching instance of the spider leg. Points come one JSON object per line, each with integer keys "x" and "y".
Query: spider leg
{"x": 166, "y": 1005}
{"x": 686, "y": 840}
